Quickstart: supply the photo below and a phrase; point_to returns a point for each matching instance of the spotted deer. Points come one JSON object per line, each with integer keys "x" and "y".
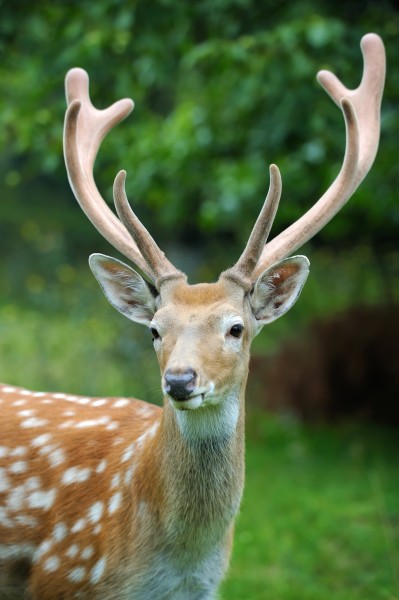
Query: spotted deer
{"x": 105, "y": 498}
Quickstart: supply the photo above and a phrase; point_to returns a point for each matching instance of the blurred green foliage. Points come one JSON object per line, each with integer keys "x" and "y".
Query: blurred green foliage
{"x": 222, "y": 88}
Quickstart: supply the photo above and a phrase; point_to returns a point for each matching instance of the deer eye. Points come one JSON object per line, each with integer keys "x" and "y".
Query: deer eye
{"x": 154, "y": 333}
{"x": 236, "y": 330}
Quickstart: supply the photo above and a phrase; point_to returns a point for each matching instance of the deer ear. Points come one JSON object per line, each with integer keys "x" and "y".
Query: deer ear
{"x": 278, "y": 288}
{"x": 125, "y": 289}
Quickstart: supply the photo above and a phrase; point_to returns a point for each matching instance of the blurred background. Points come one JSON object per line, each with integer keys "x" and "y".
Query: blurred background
{"x": 222, "y": 88}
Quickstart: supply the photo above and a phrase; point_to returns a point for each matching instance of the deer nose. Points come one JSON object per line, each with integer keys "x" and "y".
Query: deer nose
{"x": 180, "y": 384}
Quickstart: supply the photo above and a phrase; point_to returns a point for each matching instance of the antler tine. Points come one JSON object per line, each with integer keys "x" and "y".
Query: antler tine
{"x": 242, "y": 271}
{"x": 366, "y": 98}
{"x": 361, "y": 110}
{"x": 160, "y": 266}
{"x": 85, "y": 128}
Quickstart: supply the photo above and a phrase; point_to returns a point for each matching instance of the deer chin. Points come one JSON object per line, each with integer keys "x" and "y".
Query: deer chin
{"x": 191, "y": 403}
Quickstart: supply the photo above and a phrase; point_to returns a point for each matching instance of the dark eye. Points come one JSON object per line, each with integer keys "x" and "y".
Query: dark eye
{"x": 154, "y": 333}
{"x": 236, "y": 330}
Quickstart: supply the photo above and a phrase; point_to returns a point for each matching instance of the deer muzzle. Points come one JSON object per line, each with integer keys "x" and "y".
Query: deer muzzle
{"x": 180, "y": 384}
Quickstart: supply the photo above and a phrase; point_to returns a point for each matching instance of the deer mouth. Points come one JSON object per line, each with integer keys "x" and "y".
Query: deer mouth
{"x": 191, "y": 403}
{"x": 199, "y": 397}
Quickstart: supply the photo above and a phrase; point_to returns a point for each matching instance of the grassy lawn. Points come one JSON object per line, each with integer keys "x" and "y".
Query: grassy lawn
{"x": 320, "y": 517}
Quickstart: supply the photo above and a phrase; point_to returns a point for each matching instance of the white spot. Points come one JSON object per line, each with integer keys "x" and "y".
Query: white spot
{"x": 128, "y": 453}
{"x": 4, "y": 481}
{"x": 33, "y": 483}
{"x": 40, "y": 440}
{"x": 56, "y": 457}
{"x": 95, "y": 512}
{"x": 76, "y": 475}
{"x": 58, "y": 396}
{"x": 16, "y": 498}
{"x": 26, "y": 413}
{"x": 19, "y": 451}
{"x": 69, "y": 413}
{"x": 116, "y": 480}
{"x": 93, "y": 422}
{"x": 79, "y": 525}
{"x": 112, "y": 426}
{"x": 101, "y": 466}
{"x": 69, "y": 423}
{"x": 99, "y": 402}
{"x": 26, "y": 520}
{"x": 25, "y": 393}
{"x": 34, "y": 422}
{"x": 41, "y": 499}
{"x": 129, "y": 474}
{"x": 5, "y": 520}
{"x": 18, "y": 403}
{"x": 72, "y": 551}
{"x": 98, "y": 570}
{"x": 146, "y": 410}
{"x": 147, "y": 434}
{"x": 19, "y": 467}
{"x": 47, "y": 449}
{"x": 51, "y": 563}
{"x": 47, "y": 401}
{"x": 43, "y": 549}
{"x": 121, "y": 403}
{"x": 77, "y": 574}
{"x": 60, "y": 532}
{"x": 142, "y": 508}
{"x": 3, "y": 451}
{"x": 97, "y": 529}
{"x": 83, "y": 400}
{"x": 114, "y": 502}
{"x": 87, "y": 552}
{"x": 8, "y": 389}
{"x": 39, "y": 394}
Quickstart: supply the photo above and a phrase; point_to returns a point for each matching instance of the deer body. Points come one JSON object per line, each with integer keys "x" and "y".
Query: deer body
{"x": 104, "y": 498}
{"x": 107, "y": 515}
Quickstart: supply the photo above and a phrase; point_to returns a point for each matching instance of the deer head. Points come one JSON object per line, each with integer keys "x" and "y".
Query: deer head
{"x": 202, "y": 333}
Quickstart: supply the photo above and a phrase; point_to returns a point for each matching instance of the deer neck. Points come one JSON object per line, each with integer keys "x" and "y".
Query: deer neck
{"x": 203, "y": 470}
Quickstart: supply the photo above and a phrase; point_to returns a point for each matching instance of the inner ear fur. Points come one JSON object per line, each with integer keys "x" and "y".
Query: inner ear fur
{"x": 278, "y": 288}
{"x": 124, "y": 288}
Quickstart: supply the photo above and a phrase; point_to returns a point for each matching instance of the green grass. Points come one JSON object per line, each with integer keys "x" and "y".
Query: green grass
{"x": 320, "y": 516}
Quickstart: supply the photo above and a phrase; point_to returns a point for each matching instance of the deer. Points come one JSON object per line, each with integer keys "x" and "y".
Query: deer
{"x": 115, "y": 497}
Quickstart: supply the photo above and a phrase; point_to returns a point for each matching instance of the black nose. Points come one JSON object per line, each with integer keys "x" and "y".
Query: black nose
{"x": 180, "y": 384}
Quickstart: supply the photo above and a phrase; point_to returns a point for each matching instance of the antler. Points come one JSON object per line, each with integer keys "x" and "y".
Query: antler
{"x": 86, "y": 127}
{"x": 162, "y": 269}
{"x": 361, "y": 110}
{"x": 242, "y": 271}
{"x": 84, "y": 130}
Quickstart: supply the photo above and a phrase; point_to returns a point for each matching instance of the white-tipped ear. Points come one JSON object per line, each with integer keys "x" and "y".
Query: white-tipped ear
{"x": 278, "y": 288}
{"x": 125, "y": 289}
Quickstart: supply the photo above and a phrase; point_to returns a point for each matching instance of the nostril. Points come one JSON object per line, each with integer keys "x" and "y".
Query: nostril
{"x": 180, "y": 384}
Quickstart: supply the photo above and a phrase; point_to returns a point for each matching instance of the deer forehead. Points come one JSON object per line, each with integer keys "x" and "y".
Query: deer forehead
{"x": 208, "y": 305}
